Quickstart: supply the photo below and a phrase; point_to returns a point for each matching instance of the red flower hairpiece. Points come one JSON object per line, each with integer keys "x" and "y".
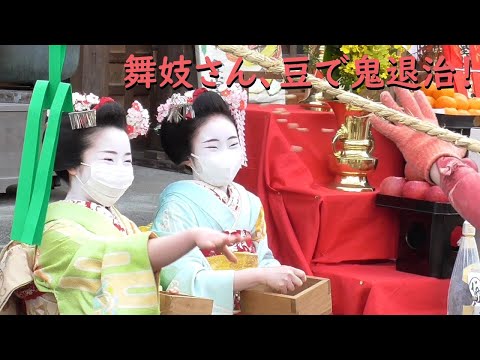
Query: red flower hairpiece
{"x": 197, "y": 93}
{"x": 104, "y": 100}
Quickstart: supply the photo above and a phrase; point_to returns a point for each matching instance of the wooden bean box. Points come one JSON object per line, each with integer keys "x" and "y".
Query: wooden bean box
{"x": 180, "y": 304}
{"x": 312, "y": 298}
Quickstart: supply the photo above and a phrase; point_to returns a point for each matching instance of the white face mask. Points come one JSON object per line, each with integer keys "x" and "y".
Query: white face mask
{"x": 107, "y": 183}
{"x": 218, "y": 168}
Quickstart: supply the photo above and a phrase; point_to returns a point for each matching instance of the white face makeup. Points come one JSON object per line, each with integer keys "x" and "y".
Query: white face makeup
{"x": 110, "y": 146}
{"x": 216, "y": 152}
{"x": 218, "y": 133}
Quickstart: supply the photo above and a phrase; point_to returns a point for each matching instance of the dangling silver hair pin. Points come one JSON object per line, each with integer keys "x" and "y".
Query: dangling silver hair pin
{"x": 181, "y": 112}
{"x": 84, "y": 114}
{"x": 83, "y": 119}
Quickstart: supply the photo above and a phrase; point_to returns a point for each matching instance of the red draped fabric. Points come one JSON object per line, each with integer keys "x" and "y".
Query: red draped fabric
{"x": 454, "y": 58}
{"x": 475, "y": 56}
{"x": 378, "y": 289}
{"x": 319, "y": 229}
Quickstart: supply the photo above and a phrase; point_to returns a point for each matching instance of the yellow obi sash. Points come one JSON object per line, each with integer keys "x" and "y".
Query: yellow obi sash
{"x": 245, "y": 261}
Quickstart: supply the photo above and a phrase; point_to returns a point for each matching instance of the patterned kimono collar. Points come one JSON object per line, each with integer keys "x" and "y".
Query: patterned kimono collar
{"x": 101, "y": 210}
{"x": 231, "y": 198}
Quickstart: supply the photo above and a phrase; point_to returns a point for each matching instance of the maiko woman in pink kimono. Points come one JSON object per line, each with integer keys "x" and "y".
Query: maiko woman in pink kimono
{"x": 92, "y": 259}
{"x": 204, "y": 130}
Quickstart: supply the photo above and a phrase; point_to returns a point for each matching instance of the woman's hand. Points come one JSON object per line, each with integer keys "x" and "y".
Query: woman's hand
{"x": 283, "y": 278}
{"x": 164, "y": 250}
{"x": 208, "y": 239}
{"x": 174, "y": 288}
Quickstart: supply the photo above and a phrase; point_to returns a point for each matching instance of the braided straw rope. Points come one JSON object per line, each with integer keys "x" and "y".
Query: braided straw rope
{"x": 345, "y": 97}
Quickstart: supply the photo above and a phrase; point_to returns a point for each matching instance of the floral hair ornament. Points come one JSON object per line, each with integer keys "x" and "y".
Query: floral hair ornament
{"x": 84, "y": 114}
{"x": 179, "y": 107}
{"x": 138, "y": 120}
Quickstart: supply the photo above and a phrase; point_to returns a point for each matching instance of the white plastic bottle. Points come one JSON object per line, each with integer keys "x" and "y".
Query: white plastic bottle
{"x": 459, "y": 294}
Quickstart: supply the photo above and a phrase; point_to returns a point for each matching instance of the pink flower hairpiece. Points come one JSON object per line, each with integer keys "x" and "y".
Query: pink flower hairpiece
{"x": 138, "y": 120}
{"x": 84, "y": 102}
{"x": 179, "y": 107}
{"x": 83, "y": 115}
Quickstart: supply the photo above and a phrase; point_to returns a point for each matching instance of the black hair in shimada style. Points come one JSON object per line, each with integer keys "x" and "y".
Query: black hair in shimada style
{"x": 177, "y": 137}
{"x": 73, "y": 143}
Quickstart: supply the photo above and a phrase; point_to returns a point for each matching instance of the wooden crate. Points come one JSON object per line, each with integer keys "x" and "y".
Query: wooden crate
{"x": 180, "y": 304}
{"x": 312, "y": 298}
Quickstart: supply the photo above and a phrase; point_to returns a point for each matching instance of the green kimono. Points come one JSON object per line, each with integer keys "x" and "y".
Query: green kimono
{"x": 91, "y": 267}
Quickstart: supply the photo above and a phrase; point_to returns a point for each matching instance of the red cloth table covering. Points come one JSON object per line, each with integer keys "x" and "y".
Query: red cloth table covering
{"x": 306, "y": 220}
{"x": 311, "y": 226}
{"x": 378, "y": 289}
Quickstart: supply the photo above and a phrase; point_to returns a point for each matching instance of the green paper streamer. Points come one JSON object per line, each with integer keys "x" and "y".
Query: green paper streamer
{"x": 36, "y": 170}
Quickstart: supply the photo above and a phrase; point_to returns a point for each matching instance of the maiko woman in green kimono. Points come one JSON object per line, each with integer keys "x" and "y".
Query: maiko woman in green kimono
{"x": 93, "y": 260}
